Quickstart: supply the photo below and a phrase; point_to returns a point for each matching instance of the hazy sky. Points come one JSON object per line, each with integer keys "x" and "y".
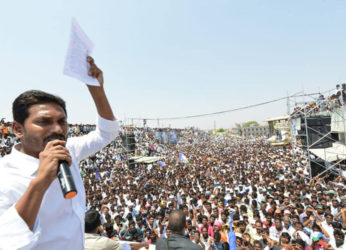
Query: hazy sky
{"x": 174, "y": 58}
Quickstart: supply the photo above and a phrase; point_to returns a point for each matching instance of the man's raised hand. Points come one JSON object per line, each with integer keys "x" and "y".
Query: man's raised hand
{"x": 94, "y": 71}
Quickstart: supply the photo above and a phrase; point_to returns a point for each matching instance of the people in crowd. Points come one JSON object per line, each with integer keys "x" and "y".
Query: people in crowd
{"x": 262, "y": 193}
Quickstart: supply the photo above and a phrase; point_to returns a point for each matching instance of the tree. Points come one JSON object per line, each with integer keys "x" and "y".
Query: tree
{"x": 220, "y": 130}
{"x": 250, "y": 123}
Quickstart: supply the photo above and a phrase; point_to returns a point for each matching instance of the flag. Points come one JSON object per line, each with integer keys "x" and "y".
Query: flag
{"x": 231, "y": 237}
{"x": 182, "y": 158}
{"x": 161, "y": 163}
{"x": 97, "y": 175}
{"x": 111, "y": 176}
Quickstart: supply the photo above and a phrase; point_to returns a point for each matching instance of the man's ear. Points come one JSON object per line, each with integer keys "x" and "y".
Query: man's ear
{"x": 18, "y": 129}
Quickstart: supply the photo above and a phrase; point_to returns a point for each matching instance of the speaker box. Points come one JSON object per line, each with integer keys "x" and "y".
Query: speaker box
{"x": 129, "y": 142}
{"x": 317, "y": 167}
{"x": 132, "y": 164}
{"x": 317, "y": 127}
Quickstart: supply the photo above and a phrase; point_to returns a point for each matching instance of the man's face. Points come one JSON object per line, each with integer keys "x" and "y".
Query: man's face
{"x": 298, "y": 227}
{"x": 259, "y": 227}
{"x": 257, "y": 246}
{"x": 204, "y": 221}
{"x": 286, "y": 201}
{"x": 205, "y": 233}
{"x": 284, "y": 240}
{"x": 329, "y": 219}
{"x": 269, "y": 220}
{"x": 339, "y": 240}
{"x": 335, "y": 203}
{"x": 320, "y": 211}
{"x": 287, "y": 222}
{"x": 211, "y": 220}
{"x": 139, "y": 222}
{"x": 278, "y": 224}
{"x": 105, "y": 210}
{"x": 208, "y": 207}
{"x": 44, "y": 120}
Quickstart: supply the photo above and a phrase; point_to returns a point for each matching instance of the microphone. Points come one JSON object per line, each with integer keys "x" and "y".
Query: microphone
{"x": 64, "y": 173}
{"x": 66, "y": 180}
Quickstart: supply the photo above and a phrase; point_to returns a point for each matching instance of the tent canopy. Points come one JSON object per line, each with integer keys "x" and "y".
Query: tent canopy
{"x": 334, "y": 153}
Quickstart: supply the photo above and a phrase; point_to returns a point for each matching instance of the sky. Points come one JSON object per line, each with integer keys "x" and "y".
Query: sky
{"x": 172, "y": 58}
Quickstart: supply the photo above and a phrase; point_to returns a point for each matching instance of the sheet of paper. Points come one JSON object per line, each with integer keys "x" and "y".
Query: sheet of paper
{"x": 80, "y": 47}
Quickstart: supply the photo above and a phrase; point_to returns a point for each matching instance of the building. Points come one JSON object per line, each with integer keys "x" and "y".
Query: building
{"x": 256, "y": 131}
{"x": 236, "y": 131}
{"x": 280, "y": 123}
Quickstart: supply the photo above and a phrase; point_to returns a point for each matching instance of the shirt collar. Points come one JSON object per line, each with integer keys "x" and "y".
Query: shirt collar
{"x": 31, "y": 163}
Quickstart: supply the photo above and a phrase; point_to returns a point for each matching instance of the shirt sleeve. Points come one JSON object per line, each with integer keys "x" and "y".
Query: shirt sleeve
{"x": 84, "y": 146}
{"x": 14, "y": 232}
{"x": 125, "y": 246}
{"x": 273, "y": 234}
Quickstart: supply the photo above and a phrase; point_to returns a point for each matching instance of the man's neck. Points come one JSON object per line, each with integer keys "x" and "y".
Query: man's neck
{"x": 182, "y": 233}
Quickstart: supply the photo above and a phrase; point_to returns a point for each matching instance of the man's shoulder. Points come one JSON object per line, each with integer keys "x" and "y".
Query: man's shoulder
{"x": 94, "y": 241}
{"x": 7, "y": 164}
{"x": 181, "y": 242}
{"x": 162, "y": 244}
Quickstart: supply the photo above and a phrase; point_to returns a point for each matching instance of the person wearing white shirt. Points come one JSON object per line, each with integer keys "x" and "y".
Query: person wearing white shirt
{"x": 276, "y": 231}
{"x": 327, "y": 224}
{"x": 287, "y": 227}
{"x": 338, "y": 241}
{"x": 33, "y": 211}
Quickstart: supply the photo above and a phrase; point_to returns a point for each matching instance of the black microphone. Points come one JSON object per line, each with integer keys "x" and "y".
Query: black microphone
{"x": 65, "y": 178}
{"x": 64, "y": 173}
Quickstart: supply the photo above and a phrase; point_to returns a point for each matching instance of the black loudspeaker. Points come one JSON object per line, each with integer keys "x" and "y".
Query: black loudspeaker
{"x": 129, "y": 142}
{"x": 317, "y": 167}
{"x": 317, "y": 127}
{"x": 132, "y": 164}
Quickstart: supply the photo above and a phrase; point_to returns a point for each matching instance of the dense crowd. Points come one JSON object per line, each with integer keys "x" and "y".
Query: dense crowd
{"x": 263, "y": 194}
{"x": 322, "y": 103}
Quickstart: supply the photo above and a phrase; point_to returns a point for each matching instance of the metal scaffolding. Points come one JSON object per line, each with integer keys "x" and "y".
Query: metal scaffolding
{"x": 315, "y": 108}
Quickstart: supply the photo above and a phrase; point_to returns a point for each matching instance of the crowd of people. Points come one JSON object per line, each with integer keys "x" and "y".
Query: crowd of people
{"x": 322, "y": 103}
{"x": 263, "y": 194}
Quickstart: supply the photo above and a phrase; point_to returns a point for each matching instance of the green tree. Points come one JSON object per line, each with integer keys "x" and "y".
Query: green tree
{"x": 220, "y": 130}
{"x": 248, "y": 124}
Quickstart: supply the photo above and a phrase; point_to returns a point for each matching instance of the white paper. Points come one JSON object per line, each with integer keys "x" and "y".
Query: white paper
{"x": 80, "y": 47}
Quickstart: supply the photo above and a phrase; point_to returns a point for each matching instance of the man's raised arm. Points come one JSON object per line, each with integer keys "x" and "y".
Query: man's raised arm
{"x": 97, "y": 92}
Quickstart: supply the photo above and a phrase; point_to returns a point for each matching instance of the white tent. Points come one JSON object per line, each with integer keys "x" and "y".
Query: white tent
{"x": 335, "y": 153}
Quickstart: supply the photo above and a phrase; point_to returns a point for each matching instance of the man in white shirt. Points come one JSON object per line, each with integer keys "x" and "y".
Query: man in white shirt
{"x": 33, "y": 212}
{"x": 338, "y": 240}
{"x": 287, "y": 227}
{"x": 327, "y": 224}
{"x": 276, "y": 231}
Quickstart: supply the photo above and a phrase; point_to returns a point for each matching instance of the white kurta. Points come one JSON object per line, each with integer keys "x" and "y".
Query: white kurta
{"x": 60, "y": 222}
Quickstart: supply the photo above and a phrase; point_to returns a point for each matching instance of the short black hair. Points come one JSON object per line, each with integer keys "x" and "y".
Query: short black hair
{"x": 21, "y": 105}
{"x": 339, "y": 233}
{"x": 300, "y": 242}
{"x": 286, "y": 235}
{"x": 217, "y": 236}
{"x": 177, "y": 220}
{"x": 92, "y": 220}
